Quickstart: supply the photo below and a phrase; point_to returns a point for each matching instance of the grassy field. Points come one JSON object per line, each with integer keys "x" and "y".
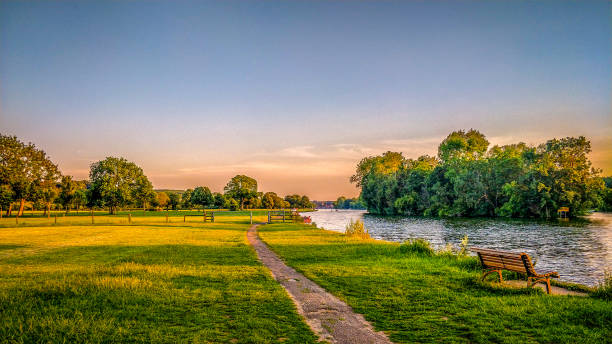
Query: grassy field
{"x": 150, "y": 282}
{"x": 419, "y": 298}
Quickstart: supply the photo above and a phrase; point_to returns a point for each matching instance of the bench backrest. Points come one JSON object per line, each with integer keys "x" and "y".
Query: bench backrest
{"x": 512, "y": 261}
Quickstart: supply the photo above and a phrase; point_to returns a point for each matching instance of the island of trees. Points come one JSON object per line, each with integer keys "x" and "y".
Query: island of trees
{"x": 468, "y": 178}
{"x": 29, "y": 177}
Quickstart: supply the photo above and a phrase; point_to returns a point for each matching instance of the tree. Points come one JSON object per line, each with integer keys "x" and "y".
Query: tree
{"x": 293, "y": 200}
{"x": 142, "y": 191}
{"x": 25, "y": 169}
{"x": 202, "y": 196}
{"x": 468, "y": 180}
{"x": 6, "y": 196}
{"x": 218, "y": 200}
{"x": 80, "y": 198}
{"x": 67, "y": 191}
{"x": 186, "y": 199}
{"x": 241, "y": 188}
{"x": 115, "y": 182}
{"x": 174, "y": 199}
{"x": 162, "y": 199}
{"x": 231, "y": 204}
{"x": 46, "y": 192}
{"x": 305, "y": 202}
{"x": 269, "y": 200}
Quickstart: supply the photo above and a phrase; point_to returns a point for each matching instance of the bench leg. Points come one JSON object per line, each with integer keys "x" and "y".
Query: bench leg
{"x": 532, "y": 281}
{"x": 486, "y": 273}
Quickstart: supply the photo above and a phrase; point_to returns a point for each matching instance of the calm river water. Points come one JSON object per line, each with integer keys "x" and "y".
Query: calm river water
{"x": 580, "y": 250}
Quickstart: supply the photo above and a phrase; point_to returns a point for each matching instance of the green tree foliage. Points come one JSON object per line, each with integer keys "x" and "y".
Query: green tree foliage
{"x": 299, "y": 202}
{"x": 468, "y": 179}
{"x": 231, "y": 204}
{"x": 163, "y": 200}
{"x": 349, "y": 203}
{"x": 174, "y": 200}
{"x": 186, "y": 199}
{"x": 80, "y": 197}
{"x": 202, "y": 196}
{"x": 71, "y": 193}
{"x": 218, "y": 200}
{"x": 607, "y": 194}
{"x": 270, "y": 200}
{"x": 26, "y": 173}
{"x": 116, "y": 182}
{"x": 241, "y": 188}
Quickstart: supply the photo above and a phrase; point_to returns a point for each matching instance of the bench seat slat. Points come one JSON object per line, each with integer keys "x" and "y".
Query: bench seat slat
{"x": 502, "y": 255}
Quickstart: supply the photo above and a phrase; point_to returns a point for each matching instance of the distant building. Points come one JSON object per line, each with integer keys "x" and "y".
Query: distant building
{"x": 323, "y": 204}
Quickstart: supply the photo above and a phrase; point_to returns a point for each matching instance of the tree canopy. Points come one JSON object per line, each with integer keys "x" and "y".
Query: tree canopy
{"x": 26, "y": 173}
{"x": 469, "y": 179}
{"x": 241, "y": 188}
{"x": 116, "y": 182}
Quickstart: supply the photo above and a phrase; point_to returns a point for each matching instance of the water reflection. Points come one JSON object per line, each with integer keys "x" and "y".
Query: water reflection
{"x": 580, "y": 250}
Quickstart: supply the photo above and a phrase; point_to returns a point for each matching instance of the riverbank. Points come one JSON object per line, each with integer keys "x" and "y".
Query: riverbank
{"x": 580, "y": 250}
{"x": 419, "y": 298}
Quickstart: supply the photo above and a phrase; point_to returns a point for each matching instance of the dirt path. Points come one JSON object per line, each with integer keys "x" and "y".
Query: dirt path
{"x": 330, "y": 318}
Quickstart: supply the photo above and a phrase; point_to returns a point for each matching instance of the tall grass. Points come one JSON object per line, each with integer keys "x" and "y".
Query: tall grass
{"x": 604, "y": 289}
{"x": 357, "y": 229}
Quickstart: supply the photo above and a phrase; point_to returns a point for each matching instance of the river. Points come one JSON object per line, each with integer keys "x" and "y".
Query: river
{"x": 580, "y": 250}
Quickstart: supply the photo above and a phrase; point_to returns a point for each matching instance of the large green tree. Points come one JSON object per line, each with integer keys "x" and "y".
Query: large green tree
{"x": 202, "y": 196}
{"x": 26, "y": 172}
{"x": 241, "y": 188}
{"x": 116, "y": 182}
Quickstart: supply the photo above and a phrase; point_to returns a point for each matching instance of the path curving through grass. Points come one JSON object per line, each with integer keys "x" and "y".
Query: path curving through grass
{"x": 329, "y": 317}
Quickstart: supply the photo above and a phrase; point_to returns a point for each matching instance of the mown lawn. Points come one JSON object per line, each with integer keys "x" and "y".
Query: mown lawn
{"x": 151, "y": 283}
{"x": 419, "y": 298}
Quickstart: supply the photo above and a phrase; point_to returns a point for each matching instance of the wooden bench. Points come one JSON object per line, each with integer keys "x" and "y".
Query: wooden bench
{"x": 496, "y": 261}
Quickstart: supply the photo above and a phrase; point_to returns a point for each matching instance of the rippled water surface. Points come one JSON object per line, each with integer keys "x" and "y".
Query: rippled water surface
{"x": 580, "y": 250}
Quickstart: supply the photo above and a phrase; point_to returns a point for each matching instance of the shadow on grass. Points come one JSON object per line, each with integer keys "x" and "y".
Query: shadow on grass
{"x": 10, "y": 246}
{"x": 153, "y": 254}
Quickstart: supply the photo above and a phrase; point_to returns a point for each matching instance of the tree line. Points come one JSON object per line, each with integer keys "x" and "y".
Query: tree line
{"x": 349, "y": 203}
{"x": 467, "y": 178}
{"x": 27, "y": 174}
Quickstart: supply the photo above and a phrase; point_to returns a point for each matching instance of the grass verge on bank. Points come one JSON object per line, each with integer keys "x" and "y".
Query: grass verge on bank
{"x": 416, "y": 297}
{"x": 152, "y": 283}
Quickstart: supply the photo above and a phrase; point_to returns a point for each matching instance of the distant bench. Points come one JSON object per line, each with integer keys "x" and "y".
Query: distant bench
{"x": 496, "y": 261}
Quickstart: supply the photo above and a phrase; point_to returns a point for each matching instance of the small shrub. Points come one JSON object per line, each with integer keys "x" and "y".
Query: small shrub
{"x": 604, "y": 289}
{"x": 463, "y": 247}
{"x": 417, "y": 246}
{"x": 356, "y": 228}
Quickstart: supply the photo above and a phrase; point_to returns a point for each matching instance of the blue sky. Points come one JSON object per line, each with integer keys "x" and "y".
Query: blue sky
{"x": 295, "y": 93}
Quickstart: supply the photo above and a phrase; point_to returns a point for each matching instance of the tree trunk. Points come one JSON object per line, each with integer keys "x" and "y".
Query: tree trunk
{"x": 21, "y": 205}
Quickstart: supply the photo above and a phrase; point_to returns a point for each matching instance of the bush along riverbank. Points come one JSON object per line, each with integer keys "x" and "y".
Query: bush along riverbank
{"x": 416, "y": 294}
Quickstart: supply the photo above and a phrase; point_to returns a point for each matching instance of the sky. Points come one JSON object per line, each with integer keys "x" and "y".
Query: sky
{"x": 295, "y": 93}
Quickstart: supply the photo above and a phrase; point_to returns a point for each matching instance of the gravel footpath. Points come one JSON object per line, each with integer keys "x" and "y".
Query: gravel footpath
{"x": 330, "y": 318}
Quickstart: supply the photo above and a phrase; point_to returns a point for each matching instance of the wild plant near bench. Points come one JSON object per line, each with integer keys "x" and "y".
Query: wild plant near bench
{"x": 357, "y": 229}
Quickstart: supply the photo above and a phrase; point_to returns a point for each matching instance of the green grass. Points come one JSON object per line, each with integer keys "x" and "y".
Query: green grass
{"x": 416, "y": 297}
{"x": 151, "y": 283}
